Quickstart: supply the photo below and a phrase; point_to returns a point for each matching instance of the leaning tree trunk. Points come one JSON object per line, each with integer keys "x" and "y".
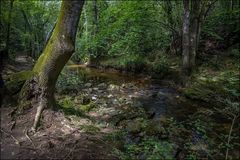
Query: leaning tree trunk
{"x": 41, "y": 86}
{"x": 185, "y": 38}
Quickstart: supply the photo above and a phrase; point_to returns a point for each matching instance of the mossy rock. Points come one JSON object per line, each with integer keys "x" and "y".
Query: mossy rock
{"x": 14, "y": 82}
{"x": 129, "y": 114}
{"x": 154, "y": 128}
{"x": 134, "y": 127}
{"x": 87, "y": 107}
{"x": 90, "y": 128}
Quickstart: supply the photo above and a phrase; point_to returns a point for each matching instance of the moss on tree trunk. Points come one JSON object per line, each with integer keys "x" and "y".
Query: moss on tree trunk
{"x": 41, "y": 86}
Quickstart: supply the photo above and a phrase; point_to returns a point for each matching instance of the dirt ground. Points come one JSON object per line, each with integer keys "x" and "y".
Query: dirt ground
{"x": 57, "y": 138}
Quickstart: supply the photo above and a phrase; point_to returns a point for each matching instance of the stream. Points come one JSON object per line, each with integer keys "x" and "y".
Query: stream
{"x": 160, "y": 100}
{"x": 154, "y": 96}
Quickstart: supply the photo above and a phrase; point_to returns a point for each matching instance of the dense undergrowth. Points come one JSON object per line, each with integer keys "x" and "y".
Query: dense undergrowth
{"x": 217, "y": 82}
{"x": 157, "y": 65}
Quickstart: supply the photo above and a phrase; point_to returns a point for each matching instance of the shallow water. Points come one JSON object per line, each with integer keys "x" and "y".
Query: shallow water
{"x": 161, "y": 100}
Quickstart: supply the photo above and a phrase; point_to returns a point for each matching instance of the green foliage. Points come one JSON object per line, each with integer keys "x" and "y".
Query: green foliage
{"x": 221, "y": 90}
{"x": 128, "y": 32}
{"x": 29, "y": 25}
{"x": 161, "y": 65}
{"x": 131, "y": 62}
{"x": 69, "y": 82}
{"x": 235, "y": 52}
{"x": 116, "y": 136}
{"x": 68, "y": 107}
{"x": 222, "y": 25}
{"x": 92, "y": 129}
{"x": 87, "y": 107}
{"x": 149, "y": 148}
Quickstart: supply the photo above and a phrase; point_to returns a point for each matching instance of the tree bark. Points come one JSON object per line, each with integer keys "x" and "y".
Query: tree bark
{"x": 185, "y": 37}
{"x": 8, "y": 30}
{"x": 49, "y": 35}
{"x": 194, "y": 31}
{"x": 57, "y": 52}
{"x": 95, "y": 10}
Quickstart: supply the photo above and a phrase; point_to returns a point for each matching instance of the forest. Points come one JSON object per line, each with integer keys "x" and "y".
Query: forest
{"x": 120, "y": 79}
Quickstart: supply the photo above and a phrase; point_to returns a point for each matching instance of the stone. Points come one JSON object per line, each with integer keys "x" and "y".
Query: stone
{"x": 115, "y": 102}
{"x": 200, "y": 146}
{"x": 160, "y": 94}
{"x": 154, "y": 128}
{"x": 95, "y": 88}
{"x": 123, "y": 85}
{"x": 90, "y": 90}
{"x": 88, "y": 85}
{"x": 102, "y": 85}
{"x": 112, "y": 87}
{"x": 138, "y": 104}
{"x": 94, "y": 97}
{"x": 100, "y": 91}
{"x": 150, "y": 114}
{"x": 110, "y": 96}
{"x": 134, "y": 127}
{"x": 76, "y": 101}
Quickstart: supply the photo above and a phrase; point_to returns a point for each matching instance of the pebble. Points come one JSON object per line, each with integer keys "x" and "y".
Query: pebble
{"x": 88, "y": 85}
{"x": 94, "y": 98}
{"x": 110, "y": 96}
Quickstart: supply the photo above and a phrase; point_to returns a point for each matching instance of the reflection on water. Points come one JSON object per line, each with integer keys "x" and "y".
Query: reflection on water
{"x": 108, "y": 76}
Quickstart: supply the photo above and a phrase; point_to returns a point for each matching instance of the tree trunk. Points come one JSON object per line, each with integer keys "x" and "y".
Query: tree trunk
{"x": 57, "y": 52}
{"x": 194, "y": 31}
{"x": 185, "y": 37}
{"x": 95, "y": 10}
{"x": 8, "y": 30}
{"x": 93, "y": 52}
{"x": 49, "y": 35}
{"x": 86, "y": 26}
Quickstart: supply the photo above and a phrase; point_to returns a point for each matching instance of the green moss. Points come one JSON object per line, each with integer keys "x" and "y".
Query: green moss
{"x": 39, "y": 63}
{"x": 67, "y": 102}
{"x": 68, "y": 107}
{"x": 48, "y": 51}
{"x": 90, "y": 128}
{"x": 23, "y": 75}
{"x": 23, "y": 105}
{"x": 46, "y": 55}
{"x": 15, "y": 81}
{"x": 87, "y": 107}
{"x": 216, "y": 89}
